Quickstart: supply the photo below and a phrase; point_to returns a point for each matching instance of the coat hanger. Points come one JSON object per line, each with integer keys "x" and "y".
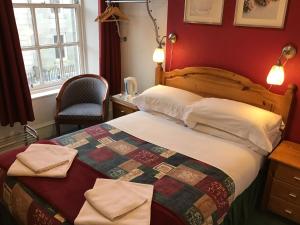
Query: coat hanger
{"x": 116, "y": 16}
{"x": 114, "y": 12}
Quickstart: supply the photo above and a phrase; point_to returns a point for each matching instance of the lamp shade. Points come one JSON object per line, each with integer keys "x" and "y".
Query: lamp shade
{"x": 159, "y": 55}
{"x": 276, "y": 75}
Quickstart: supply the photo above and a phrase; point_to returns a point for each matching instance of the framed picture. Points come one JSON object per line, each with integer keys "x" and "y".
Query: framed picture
{"x": 203, "y": 11}
{"x": 260, "y": 13}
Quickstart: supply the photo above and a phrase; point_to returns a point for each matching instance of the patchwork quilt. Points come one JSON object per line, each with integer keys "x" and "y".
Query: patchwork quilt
{"x": 196, "y": 192}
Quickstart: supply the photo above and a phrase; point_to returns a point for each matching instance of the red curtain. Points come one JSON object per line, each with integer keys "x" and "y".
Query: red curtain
{"x": 110, "y": 53}
{"x": 15, "y": 99}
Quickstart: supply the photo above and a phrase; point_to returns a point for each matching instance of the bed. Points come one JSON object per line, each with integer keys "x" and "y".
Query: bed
{"x": 235, "y": 169}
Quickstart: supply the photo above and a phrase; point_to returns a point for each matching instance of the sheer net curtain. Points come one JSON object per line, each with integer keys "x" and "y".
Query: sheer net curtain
{"x": 15, "y": 99}
{"x": 110, "y": 53}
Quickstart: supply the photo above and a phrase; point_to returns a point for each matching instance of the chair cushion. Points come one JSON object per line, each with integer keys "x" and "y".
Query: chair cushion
{"x": 83, "y": 111}
{"x": 83, "y": 90}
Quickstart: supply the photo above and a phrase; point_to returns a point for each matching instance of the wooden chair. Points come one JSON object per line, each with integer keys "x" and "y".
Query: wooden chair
{"x": 82, "y": 100}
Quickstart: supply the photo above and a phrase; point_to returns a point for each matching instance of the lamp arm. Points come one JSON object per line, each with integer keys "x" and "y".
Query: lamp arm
{"x": 283, "y": 64}
{"x": 279, "y": 60}
{"x": 161, "y": 42}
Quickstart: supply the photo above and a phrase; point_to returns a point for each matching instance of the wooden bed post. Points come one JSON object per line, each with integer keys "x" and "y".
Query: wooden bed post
{"x": 158, "y": 74}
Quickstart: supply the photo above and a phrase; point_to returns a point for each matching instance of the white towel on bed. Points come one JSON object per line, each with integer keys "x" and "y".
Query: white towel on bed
{"x": 140, "y": 215}
{"x": 42, "y": 157}
{"x": 20, "y": 169}
{"x": 114, "y": 199}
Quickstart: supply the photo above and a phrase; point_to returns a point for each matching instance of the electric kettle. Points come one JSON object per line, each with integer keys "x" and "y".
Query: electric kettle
{"x": 131, "y": 88}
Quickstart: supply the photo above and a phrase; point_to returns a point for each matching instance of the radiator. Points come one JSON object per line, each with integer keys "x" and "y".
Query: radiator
{"x": 28, "y": 136}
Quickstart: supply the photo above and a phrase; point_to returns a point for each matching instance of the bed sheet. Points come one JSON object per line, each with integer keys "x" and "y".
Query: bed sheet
{"x": 240, "y": 163}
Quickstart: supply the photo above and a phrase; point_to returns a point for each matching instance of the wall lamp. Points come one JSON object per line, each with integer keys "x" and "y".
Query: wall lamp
{"x": 159, "y": 53}
{"x": 276, "y": 74}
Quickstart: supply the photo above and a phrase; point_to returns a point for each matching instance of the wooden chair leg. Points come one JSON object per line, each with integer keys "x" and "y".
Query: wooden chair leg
{"x": 57, "y": 129}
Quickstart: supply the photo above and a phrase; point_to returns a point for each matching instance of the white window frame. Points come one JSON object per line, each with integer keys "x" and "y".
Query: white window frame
{"x": 37, "y": 47}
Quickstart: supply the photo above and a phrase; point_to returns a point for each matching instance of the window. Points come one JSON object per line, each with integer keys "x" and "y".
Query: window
{"x": 57, "y": 52}
{"x": 51, "y": 40}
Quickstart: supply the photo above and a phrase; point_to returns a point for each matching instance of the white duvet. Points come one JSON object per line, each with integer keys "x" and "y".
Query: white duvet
{"x": 240, "y": 163}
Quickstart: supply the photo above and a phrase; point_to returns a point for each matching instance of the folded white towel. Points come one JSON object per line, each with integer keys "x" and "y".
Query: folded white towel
{"x": 140, "y": 215}
{"x": 114, "y": 199}
{"x": 20, "y": 169}
{"x": 43, "y": 157}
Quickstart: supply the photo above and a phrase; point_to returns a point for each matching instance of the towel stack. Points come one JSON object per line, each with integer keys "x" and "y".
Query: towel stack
{"x": 116, "y": 202}
{"x": 43, "y": 160}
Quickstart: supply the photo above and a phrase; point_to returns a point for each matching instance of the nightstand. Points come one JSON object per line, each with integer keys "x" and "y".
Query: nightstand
{"x": 282, "y": 190}
{"x": 122, "y": 105}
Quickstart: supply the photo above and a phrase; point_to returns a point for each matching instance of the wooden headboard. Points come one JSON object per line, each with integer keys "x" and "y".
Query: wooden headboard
{"x": 214, "y": 82}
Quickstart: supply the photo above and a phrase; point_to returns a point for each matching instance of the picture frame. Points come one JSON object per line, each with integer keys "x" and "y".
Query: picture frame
{"x": 260, "y": 13}
{"x": 204, "y": 11}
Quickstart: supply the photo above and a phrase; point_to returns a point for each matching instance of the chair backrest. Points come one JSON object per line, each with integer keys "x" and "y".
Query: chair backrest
{"x": 86, "y": 88}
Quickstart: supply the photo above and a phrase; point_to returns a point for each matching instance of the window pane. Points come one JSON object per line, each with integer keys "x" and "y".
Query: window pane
{"x": 50, "y": 64}
{"x": 68, "y": 24}
{"x": 20, "y": 1}
{"x": 54, "y": 1}
{"x": 32, "y": 69}
{"x": 24, "y": 24}
{"x": 46, "y": 26}
{"x": 71, "y": 62}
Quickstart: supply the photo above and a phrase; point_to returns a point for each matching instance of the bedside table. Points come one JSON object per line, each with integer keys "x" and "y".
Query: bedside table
{"x": 122, "y": 105}
{"x": 282, "y": 190}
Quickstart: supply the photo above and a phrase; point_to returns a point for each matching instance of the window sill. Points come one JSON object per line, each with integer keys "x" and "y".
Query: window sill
{"x": 41, "y": 94}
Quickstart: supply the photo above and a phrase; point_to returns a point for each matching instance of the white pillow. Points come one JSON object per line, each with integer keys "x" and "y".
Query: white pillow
{"x": 275, "y": 138}
{"x": 243, "y": 120}
{"x": 167, "y": 100}
{"x": 166, "y": 117}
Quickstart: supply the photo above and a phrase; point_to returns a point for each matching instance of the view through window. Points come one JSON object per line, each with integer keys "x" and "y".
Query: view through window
{"x": 51, "y": 40}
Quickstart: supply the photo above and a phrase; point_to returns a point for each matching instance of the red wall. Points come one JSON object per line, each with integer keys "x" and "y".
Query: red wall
{"x": 247, "y": 51}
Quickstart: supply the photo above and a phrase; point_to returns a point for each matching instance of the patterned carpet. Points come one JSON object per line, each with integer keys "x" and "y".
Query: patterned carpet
{"x": 267, "y": 218}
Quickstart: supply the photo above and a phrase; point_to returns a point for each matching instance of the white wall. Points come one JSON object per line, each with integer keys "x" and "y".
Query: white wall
{"x": 137, "y": 51}
{"x": 91, "y": 35}
{"x": 44, "y": 107}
